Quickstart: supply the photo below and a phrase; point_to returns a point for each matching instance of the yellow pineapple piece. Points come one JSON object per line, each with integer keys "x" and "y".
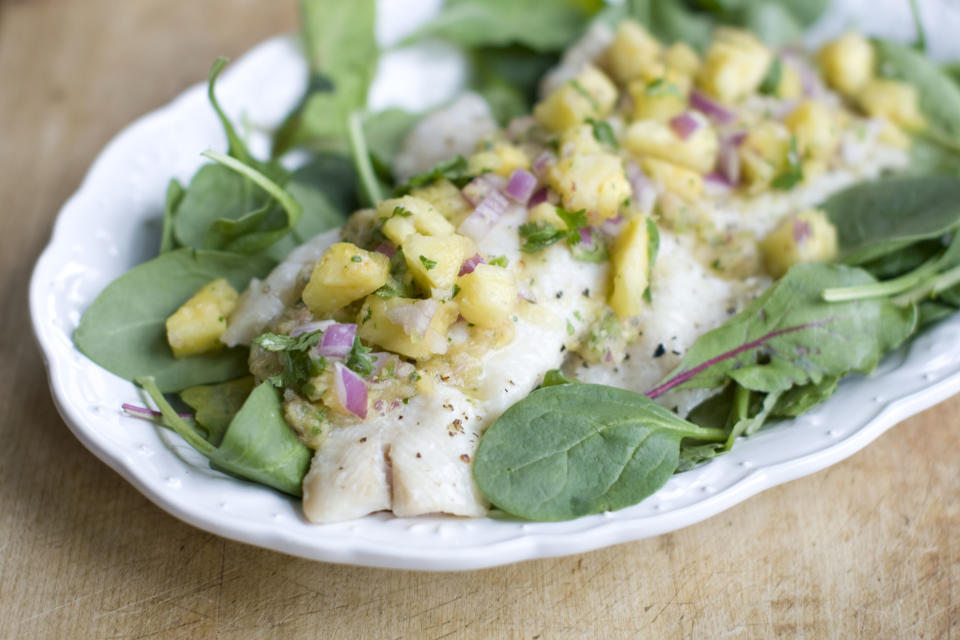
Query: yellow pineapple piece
{"x": 631, "y": 49}
{"x": 734, "y": 65}
{"x": 196, "y": 326}
{"x": 579, "y": 140}
{"x": 658, "y": 139}
{"x": 503, "y": 159}
{"x": 446, "y": 197}
{"x": 894, "y": 101}
{"x": 434, "y": 261}
{"x": 684, "y": 182}
{"x": 847, "y": 63}
{"x": 629, "y": 268}
{"x": 590, "y": 95}
{"x": 546, "y": 212}
{"x": 681, "y": 57}
{"x": 656, "y": 101}
{"x": 790, "y": 86}
{"x": 343, "y": 274}
{"x": 409, "y": 214}
{"x": 763, "y": 154}
{"x": 816, "y": 129}
{"x": 487, "y": 295}
{"x": 382, "y": 322}
{"x": 594, "y": 182}
{"x": 808, "y": 236}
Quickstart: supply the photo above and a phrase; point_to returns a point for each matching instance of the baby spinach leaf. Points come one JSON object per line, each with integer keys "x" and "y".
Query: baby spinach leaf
{"x": 215, "y": 405}
{"x": 576, "y": 449}
{"x": 175, "y": 193}
{"x": 928, "y": 157}
{"x": 508, "y": 77}
{"x": 124, "y": 329}
{"x": 772, "y": 22}
{"x": 236, "y": 147}
{"x": 798, "y": 400}
{"x": 876, "y": 218}
{"x": 541, "y": 26}
{"x": 789, "y": 336}
{"x": 342, "y": 54}
{"x": 937, "y": 93}
{"x": 258, "y": 445}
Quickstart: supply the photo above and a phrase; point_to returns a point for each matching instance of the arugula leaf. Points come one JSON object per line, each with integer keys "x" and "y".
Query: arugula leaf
{"x": 789, "y": 336}
{"x": 453, "y": 170}
{"x": 877, "y": 218}
{"x": 258, "y": 445}
{"x": 576, "y": 449}
{"x": 793, "y": 174}
{"x": 124, "y": 329}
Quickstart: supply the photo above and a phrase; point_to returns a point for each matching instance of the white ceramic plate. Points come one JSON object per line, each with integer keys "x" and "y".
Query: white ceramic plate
{"x": 112, "y": 223}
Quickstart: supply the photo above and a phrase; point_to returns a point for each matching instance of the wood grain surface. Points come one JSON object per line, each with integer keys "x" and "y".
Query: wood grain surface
{"x": 868, "y": 548}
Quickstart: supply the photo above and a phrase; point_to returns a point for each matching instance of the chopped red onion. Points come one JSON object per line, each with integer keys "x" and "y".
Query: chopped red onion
{"x": 478, "y": 223}
{"x": 415, "y": 317}
{"x": 387, "y": 249}
{"x": 149, "y": 413}
{"x": 337, "y": 340}
{"x": 521, "y": 186}
{"x": 483, "y": 185}
{"x": 702, "y": 102}
{"x": 612, "y": 226}
{"x": 470, "y": 264}
{"x": 351, "y": 390}
{"x": 728, "y": 158}
{"x": 310, "y": 327}
{"x": 737, "y": 139}
{"x": 717, "y": 184}
{"x": 684, "y": 125}
{"x": 801, "y": 231}
{"x": 542, "y": 163}
{"x": 539, "y": 196}
{"x": 644, "y": 190}
{"x": 586, "y": 235}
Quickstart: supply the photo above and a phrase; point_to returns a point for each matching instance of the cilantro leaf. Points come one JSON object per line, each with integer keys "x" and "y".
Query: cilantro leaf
{"x": 453, "y": 170}
{"x": 360, "y": 360}
{"x": 793, "y": 174}
{"x": 603, "y": 132}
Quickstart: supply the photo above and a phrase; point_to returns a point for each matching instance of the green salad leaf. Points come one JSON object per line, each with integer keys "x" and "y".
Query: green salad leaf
{"x": 258, "y": 445}
{"x": 215, "y": 405}
{"x": 577, "y": 449}
{"x": 124, "y": 329}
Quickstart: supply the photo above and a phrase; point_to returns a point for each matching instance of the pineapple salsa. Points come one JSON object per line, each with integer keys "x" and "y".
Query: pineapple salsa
{"x": 652, "y": 194}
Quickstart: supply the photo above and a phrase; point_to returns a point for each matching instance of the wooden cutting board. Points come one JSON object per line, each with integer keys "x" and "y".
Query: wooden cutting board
{"x": 867, "y": 548}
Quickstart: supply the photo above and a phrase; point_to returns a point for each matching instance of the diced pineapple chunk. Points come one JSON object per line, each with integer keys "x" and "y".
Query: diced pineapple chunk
{"x": 590, "y": 95}
{"x": 409, "y": 214}
{"x": 892, "y": 100}
{"x": 382, "y": 322}
{"x": 658, "y": 101}
{"x": 763, "y": 154}
{"x": 434, "y": 261}
{"x": 594, "y": 182}
{"x": 808, "y": 236}
{"x": 816, "y": 129}
{"x": 546, "y": 212}
{"x": 629, "y": 268}
{"x": 686, "y": 183}
{"x": 487, "y": 295}
{"x": 631, "y": 49}
{"x": 682, "y": 58}
{"x": 658, "y": 139}
{"x": 446, "y": 197}
{"x": 579, "y": 140}
{"x": 343, "y": 274}
{"x": 734, "y": 66}
{"x": 790, "y": 86}
{"x": 196, "y": 326}
{"x": 503, "y": 159}
{"x": 847, "y": 63}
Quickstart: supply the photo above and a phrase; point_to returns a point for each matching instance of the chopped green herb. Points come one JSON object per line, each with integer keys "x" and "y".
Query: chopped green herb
{"x": 586, "y": 94}
{"x": 570, "y": 328}
{"x": 771, "y": 81}
{"x": 500, "y": 261}
{"x": 356, "y": 259}
{"x": 660, "y": 87}
{"x": 603, "y": 132}
{"x": 793, "y": 174}
{"x": 454, "y": 170}
{"x": 360, "y": 360}
{"x": 456, "y": 290}
{"x": 427, "y": 263}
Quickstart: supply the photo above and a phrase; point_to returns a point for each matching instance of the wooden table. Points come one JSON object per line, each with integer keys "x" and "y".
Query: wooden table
{"x": 866, "y": 548}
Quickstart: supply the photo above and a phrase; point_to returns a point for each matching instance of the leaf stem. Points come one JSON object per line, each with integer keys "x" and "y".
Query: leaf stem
{"x": 918, "y": 25}
{"x": 739, "y": 413}
{"x": 942, "y": 282}
{"x": 885, "y": 288}
{"x": 178, "y": 424}
{"x": 361, "y": 158}
{"x": 290, "y": 205}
